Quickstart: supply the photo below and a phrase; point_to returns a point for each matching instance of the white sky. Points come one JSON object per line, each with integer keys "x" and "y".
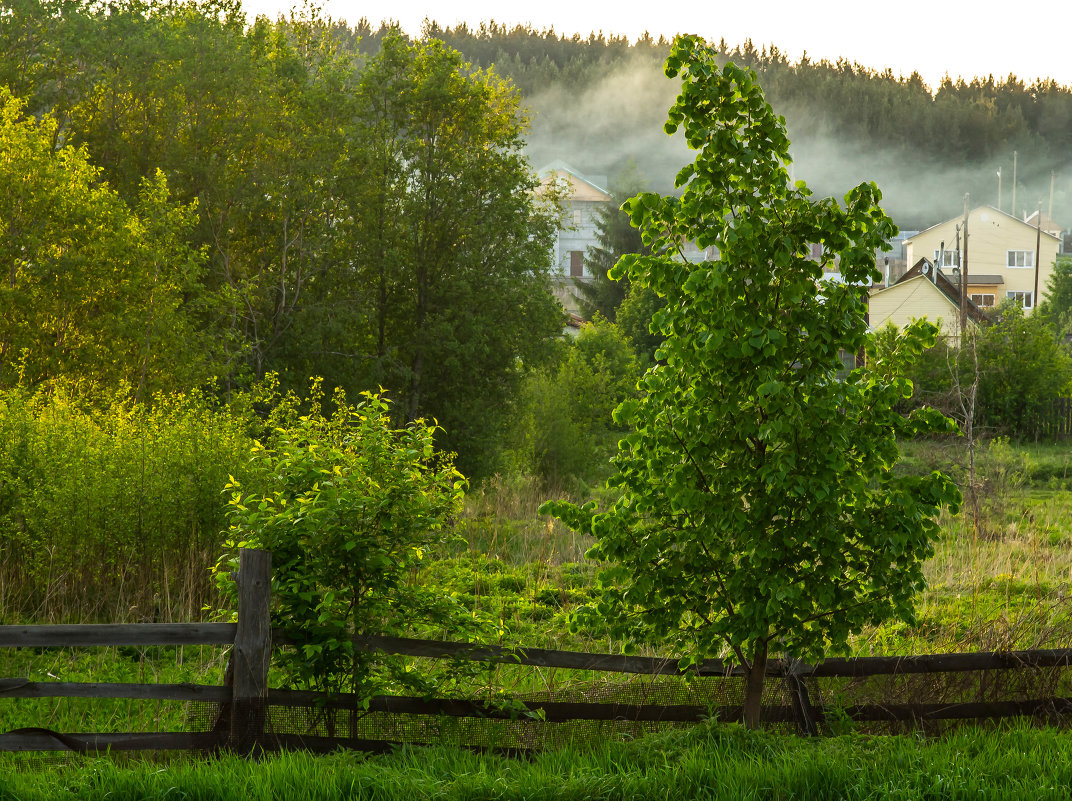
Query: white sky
{"x": 934, "y": 38}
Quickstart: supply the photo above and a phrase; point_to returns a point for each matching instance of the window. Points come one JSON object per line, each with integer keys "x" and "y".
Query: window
{"x": 1023, "y": 298}
{"x": 578, "y": 217}
{"x": 949, "y": 258}
{"x": 576, "y": 263}
{"x": 1021, "y": 258}
{"x": 983, "y": 300}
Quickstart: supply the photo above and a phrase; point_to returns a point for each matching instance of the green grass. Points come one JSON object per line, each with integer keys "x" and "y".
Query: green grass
{"x": 708, "y": 761}
{"x": 153, "y": 665}
{"x": 1004, "y": 584}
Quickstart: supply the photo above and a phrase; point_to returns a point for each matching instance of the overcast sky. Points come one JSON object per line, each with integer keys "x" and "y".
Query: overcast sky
{"x": 935, "y": 38}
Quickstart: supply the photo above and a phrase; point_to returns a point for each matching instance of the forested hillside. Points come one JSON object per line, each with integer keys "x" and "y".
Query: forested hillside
{"x": 597, "y": 101}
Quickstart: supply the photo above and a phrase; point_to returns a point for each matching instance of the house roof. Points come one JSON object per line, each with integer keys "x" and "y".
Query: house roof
{"x": 1049, "y": 225}
{"x": 984, "y": 208}
{"x": 925, "y": 269}
{"x": 584, "y": 187}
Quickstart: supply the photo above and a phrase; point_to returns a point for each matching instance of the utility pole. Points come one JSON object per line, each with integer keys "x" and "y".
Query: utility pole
{"x": 999, "y": 188}
{"x": 1014, "y": 183}
{"x": 1052, "y": 176}
{"x": 964, "y": 274}
{"x": 1038, "y": 248}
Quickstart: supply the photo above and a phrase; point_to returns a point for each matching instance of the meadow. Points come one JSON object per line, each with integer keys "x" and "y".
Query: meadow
{"x": 1000, "y": 581}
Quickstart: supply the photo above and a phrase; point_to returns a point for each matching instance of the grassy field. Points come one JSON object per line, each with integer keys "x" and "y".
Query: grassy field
{"x": 707, "y": 761}
{"x": 999, "y": 579}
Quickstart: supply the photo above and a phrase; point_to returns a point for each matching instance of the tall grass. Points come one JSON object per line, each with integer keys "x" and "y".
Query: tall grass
{"x": 501, "y": 521}
{"x": 112, "y": 513}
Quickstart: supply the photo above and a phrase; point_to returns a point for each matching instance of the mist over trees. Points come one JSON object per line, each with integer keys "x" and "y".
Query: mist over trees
{"x": 598, "y": 101}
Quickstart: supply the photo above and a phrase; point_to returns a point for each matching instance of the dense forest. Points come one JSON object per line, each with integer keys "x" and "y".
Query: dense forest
{"x": 597, "y": 101}
{"x": 194, "y": 199}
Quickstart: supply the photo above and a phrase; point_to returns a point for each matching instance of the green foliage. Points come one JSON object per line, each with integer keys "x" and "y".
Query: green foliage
{"x": 111, "y": 512}
{"x": 371, "y": 221}
{"x": 759, "y": 510}
{"x": 94, "y": 290}
{"x": 451, "y": 241}
{"x": 1056, "y": 307}
{"x": 349, "y": 507}
{"x": 563, "y": 430}
{"x": 1022, "y": 369}
{"x": 603, "y": 295}
{"x": 635, "y": 317}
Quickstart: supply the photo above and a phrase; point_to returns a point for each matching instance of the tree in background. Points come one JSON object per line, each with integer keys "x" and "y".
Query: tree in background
{"x": 373, "y": 221}
{"x": 1023, "y": 368}
{"x": 1056, "y": 307}
{"x": 635, "y": 319}
{"x": 562, "y": 430}
{"x": 602, "y": 294}
{"x": 758, "y": 508}
{"x": 451, "y": 242}
{"x": 95, "y": 291}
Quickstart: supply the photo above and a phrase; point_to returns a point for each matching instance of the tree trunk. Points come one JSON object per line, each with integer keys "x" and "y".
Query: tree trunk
{"x": 753, "y": 688}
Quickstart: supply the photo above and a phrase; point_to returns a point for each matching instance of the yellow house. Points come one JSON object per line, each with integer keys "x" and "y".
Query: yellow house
{"x": 1001, "y": 259}
{"x": 922, "y": 292}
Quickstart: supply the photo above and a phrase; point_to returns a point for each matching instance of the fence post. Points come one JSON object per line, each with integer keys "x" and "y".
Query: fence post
{"x": 798, "y": 697}
{"x": 252, "y": 648}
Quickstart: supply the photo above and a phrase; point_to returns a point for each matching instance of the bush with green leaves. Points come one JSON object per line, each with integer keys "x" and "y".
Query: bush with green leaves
{"x": 349, "y": 507}
{"x": 563, "y": 431}
{"x": 1023, "y": 368}
{"x": 109, "y": 511}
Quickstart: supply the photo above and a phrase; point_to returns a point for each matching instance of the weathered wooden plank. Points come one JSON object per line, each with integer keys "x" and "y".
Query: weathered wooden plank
{"x": 44, "y": 740}
{"x": 24, "y": 688}
{"x": 93, "y": 634}
{"x": 547, "y": 711}
{"x": 851, "y": 667}
{"x": 978, "y": 710}
{"x": 540, "y": 657}
{"x": 938, "y": 663}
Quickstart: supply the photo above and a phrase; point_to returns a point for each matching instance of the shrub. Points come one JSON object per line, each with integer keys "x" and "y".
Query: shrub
{"x": 349, "y": 508}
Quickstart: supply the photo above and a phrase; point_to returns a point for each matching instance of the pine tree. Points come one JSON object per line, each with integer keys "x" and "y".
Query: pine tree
{"x": 617, "y": 237}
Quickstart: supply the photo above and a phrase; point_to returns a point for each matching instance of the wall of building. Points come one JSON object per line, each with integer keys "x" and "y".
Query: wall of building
{"x": 991, "y": 235}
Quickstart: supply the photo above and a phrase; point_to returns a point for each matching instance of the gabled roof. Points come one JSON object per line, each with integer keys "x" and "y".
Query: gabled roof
{"x": 925, "y": 269}
{"x": 1049, "y": 225}
{"x": 982, "y": 208}
{"x": 583, "y": 187}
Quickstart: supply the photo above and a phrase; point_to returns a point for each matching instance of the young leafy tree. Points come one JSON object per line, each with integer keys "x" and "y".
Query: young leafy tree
{"x": 349, "y": 506}
{"x": 758, "y": 509}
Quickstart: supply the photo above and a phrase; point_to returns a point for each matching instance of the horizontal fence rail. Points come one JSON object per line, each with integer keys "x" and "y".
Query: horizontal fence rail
{"x": 846, "y": 667}
{"x": 23, "y": 688}
{"x": 98, "y": 634}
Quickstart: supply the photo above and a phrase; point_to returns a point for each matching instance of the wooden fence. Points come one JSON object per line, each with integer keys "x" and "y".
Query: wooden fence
{"x": 246, "y": 703}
